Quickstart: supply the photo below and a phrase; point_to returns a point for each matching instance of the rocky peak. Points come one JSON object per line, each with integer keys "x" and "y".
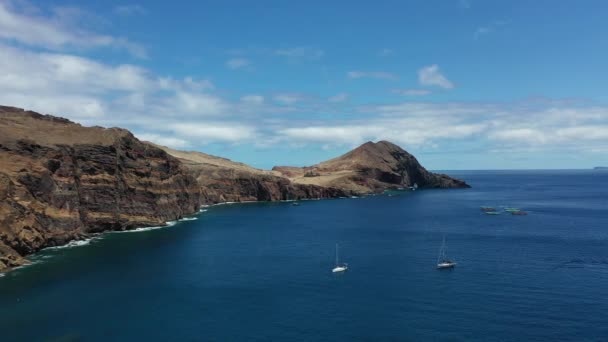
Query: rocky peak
{"x": 371, "y": 167}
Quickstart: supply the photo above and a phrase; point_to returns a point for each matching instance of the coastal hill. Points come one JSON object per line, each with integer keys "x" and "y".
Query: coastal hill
{"x": 371, "y": 167}
{"x": 223, "y": 180}
{"x": 60, "y": 181}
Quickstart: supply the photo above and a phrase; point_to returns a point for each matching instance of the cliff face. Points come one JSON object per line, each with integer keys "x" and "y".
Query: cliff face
{"x": 222, "y": 180}
{"x": 60, "y": 181}
{"x": 371, "y": 167}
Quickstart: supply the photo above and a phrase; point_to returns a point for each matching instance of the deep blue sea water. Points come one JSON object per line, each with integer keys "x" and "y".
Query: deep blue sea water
{"x": 262, "y": 272}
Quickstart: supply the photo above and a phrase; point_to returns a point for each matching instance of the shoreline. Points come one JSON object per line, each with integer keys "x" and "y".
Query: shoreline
{"x": 191, "y": 217}
{"x": 99, "y": 236}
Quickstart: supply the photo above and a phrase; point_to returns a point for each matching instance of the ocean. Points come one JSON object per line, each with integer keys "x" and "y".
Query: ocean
{"x": 262, "y": 271}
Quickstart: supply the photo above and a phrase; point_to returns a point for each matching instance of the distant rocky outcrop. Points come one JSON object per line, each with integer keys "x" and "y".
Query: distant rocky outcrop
{"x": 60, "y": 181}
{"x": 222, "y": 180}
{"x": 371, "y": 167}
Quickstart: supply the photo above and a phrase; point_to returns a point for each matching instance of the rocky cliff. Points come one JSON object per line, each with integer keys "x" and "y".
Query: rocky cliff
{"x": 371, "y": 167}
{"x": 222, "y": 180}
{"x": 60, "y": 181}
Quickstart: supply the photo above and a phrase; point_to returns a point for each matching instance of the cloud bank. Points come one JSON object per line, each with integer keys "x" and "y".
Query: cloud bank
{"x": 40, "y": 70}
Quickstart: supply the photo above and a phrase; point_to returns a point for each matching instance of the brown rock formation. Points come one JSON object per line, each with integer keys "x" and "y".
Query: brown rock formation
{"x": 222, "y": 180}
{"x": 60, "y": 181}
{"x": 371, "y": 167}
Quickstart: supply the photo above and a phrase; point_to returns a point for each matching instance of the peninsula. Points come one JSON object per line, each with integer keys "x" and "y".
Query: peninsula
{"x": 60, "y": 181}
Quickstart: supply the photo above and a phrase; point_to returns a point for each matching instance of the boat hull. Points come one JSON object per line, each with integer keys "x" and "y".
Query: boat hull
{"x": 444, "y": 265}
{"x": 339, "y": 269}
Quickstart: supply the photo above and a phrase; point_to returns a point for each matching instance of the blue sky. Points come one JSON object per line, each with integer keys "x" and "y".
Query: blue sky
{"x": 461, "y": 84}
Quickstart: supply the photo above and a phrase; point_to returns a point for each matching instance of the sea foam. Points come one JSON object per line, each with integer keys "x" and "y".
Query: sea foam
{"x": 75, "y": 243}
{"x": 145, "y": 229}
{"x": 137, "y": 230}
{"x": 189, "y": 219}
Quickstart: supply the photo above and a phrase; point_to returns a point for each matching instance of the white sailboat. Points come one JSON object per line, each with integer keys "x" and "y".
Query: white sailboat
{"x": 442, "y": 259}
{"x": 339, "y": 267}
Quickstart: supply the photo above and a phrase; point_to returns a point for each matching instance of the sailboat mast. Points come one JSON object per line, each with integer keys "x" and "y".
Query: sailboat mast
{"x": 336, "y": 254}
{"x": 441, "y": 255}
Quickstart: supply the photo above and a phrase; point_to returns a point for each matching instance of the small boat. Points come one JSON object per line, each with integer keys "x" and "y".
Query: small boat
{"x": 511, "y": 209}
{"x": 442, "y": 260}
{"x": 492, "y": 213}
{"x": 486, "y": 209}
{"x": 295, "y": 204}
{"x": 519, "y": 213}
{"x": 414, "y": 187}
{"x": 339, "y": 267}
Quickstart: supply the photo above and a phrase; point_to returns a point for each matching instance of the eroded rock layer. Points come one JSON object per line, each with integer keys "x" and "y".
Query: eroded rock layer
{"x": 60, "y": 181}
{"x": 222, "y": 180}
{"x": 371, "y": 167}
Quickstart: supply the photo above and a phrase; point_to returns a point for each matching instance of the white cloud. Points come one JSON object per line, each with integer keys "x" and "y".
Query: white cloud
{"x": 49, "y": 33}
{"x": 385, "y": 52}
{"x": 347, "y": 134}
{"x": 188, "y": 83}
{"x": 208, "y": 132}
{"x": 411, "y": 92}
{"x": 418, "y": 109}
{"x": 199, "y": 104}
{"x": 82, "y": 88}
{"x": 482, "y": 31}
{"x": 382, "y": 75}
{"x": 287, "y": 99}
{"x": 402, "y": 131}
{"x": 168, "y": 141}
{"x": 187, "y": 111}
{"x": 490, "y": 28}
{"x": 599, "y": 132}
{"x": 252, "y": 99}
{"x": 516, "y": 126}
{"x": 128, "y": 10}
{"x": 75, "y": 106}
{"x": 341, "y": 97}
{"x": 302, "y": 52}
{"x": 29, "y": 71}
{"x": 237, "y": 63}
{"x": 431, "y": 76}
{"x": 525, "y": 135}
{"x": 564, "y": 135}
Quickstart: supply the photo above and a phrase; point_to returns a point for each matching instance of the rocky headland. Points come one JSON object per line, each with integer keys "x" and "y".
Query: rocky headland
{"x": 371, "y": 167}
{"x": 60, "y": 181}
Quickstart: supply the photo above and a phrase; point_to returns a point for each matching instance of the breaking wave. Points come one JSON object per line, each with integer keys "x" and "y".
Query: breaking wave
{"x": 193, "y": 218}
{"x": 75, "y": 243}
{"x": 146, "y": 229}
